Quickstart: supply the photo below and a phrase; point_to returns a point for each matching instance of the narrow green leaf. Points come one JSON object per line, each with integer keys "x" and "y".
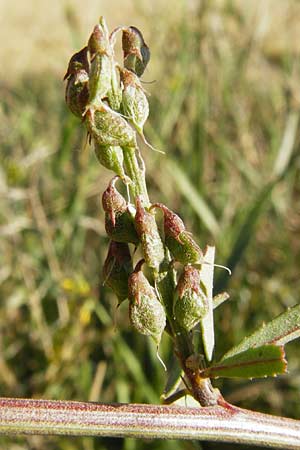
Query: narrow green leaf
{"x": 207, "y": 323}
{"x": 279, "y": 331}
{"x": 264, "y": 361}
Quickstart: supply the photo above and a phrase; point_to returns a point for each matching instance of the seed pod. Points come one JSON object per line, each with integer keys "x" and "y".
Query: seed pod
{"x": 109, "y": 128}
{"x": 77, "y": 92}
{"x": 146, "y": 227}
{"x": 117, "y": 268}
{"x": 134, "y": 101}
{"x": 100, "y": 80}
{"x": 111, "y": 158}
{"x": 99, "y": 39}
{"x": 119, "y": 223}
{"x": 146, "y": 313}
{"x": 178, "y": 240}
{"x": 136, "y": 51}
{"x": 190, "y": 303}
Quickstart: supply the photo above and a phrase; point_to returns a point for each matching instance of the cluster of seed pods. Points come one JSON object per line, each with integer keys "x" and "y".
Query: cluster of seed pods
{"x": 112, "y": 103}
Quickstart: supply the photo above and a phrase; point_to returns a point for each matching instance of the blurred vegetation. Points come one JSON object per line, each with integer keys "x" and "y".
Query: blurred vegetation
{"x": 225, "y": 108}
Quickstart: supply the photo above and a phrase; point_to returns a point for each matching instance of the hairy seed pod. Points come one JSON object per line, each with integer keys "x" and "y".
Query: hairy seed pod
{"x": 109, "y": 128}
{"x": 190, "y": 303}
{"x": 119, "y": 223}
{"x": 134, "y": 101}
{"x": 100, "y": 80}
{"x": 179, "y": 241}
{"x": 146, "y": 227}
{"x": 111, "y": 158}
{"x": 117, "y": 269}
{"x": 112, "y": 201}
{"x": 146, "y": 313}
{"x": 136, "y": 51}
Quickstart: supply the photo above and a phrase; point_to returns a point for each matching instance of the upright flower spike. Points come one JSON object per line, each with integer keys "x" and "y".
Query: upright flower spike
{"x": 119, "y": 223}
{"x": 136, "y": 51}
{"x": 117, "y": 269}
{"x": 190, "y": 303}
{"x": 179, "y": 241}
{"x": 77, "y": 76}
{"x": 146, "y": 227}
{"x": 146, "y": 313}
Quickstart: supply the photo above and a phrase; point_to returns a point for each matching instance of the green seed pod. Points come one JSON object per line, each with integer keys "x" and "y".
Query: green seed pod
{"x": 190, "y": 303}
{"x": 136, "y": 51}
{"x": 146, "y": 227}
{"x": 179, "y": 241}
{"x": 109, "y": 128}
{"x": 134, "y": 101}
{"x": 119, "y": 223}
{"x": 146, "y": 313}
{"x": 111, "y": 158}
{"x": 117, "y": 269}
{"x": 100, "y": 80}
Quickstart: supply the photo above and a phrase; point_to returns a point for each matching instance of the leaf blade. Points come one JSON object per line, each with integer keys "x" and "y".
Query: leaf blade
{"x": 259, "y": 362}
{"x": 279, "y": 331}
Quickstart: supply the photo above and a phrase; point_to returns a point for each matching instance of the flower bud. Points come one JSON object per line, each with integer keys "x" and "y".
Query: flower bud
{"x": 136, "y": 52}
{"x": 146, "y": 313}
{"x": 111, "y": 158}
{"x": 119, "y": 223}
{"x": 179, "y": 241}
{"x": 117, "y": 268}
{"x": 146, "y": 227}
{"x": 190, "y": 303}
{"x": 109, "y": 128}
{"x": 134, "y": 101}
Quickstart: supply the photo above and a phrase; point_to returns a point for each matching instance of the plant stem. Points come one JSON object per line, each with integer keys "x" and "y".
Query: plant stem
{"x": 136, "y": 174}
{"x": 217, "y": 423}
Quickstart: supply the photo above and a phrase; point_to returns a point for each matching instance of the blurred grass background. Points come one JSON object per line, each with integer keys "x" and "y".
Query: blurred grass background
{"x": 225, "y": 108}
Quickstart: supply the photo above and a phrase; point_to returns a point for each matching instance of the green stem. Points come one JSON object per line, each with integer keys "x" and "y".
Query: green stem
{"x": 136, "y": 174}
{"x": 225, "y": 424}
